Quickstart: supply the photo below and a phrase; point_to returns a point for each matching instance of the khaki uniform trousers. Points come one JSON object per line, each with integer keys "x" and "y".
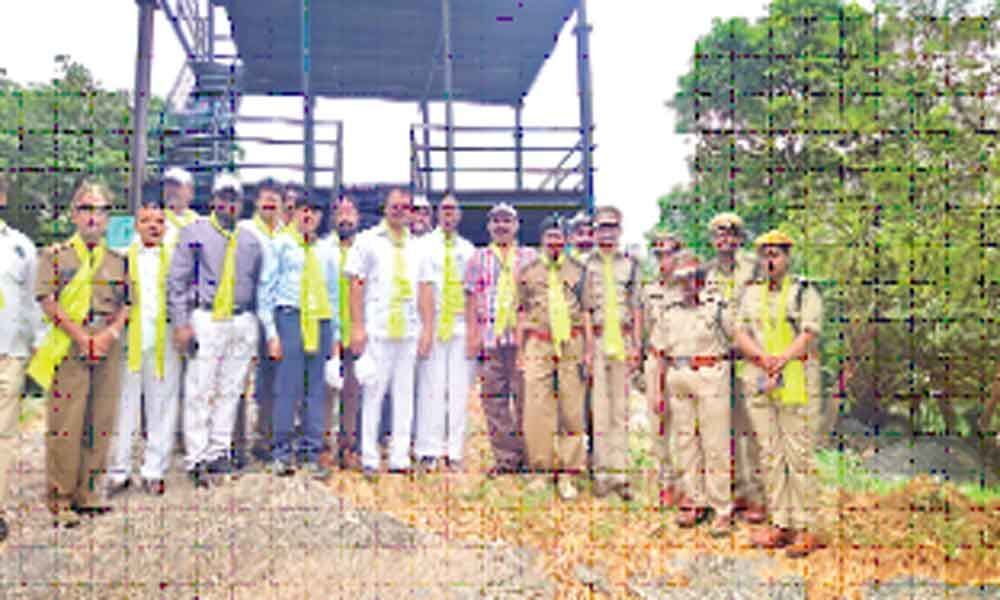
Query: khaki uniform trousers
{"x": 787, "y": 436}
{"x": 82, "y": 409}
{"x": 609, "y": 404}
{"x": 746, "y": 449}
{"x": 660, "y": 416}
{"x": 554, "y": 429}
{"x": 11, "y": 385}
{"x": 700, "y": 401}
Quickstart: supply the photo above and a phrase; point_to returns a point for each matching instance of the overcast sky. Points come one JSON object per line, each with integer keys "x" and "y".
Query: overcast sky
{"x": 639, "y": 48}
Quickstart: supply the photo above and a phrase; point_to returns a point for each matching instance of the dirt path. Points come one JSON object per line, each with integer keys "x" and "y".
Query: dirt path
{"x": 253, "y": 537}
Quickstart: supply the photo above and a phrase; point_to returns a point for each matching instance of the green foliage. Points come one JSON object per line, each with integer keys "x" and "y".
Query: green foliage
{"x": 54, "y": 134}
{"x": 864, "y": 135}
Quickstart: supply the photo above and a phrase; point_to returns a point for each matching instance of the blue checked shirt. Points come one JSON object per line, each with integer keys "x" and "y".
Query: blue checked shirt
{"x": 281, "y": 275}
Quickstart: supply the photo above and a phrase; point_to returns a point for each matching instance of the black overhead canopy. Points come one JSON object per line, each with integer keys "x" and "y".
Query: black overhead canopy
{"x": 393, "y": 49}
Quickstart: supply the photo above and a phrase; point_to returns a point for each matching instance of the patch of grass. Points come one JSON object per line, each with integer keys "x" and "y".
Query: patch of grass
{"x": 844, "y": 470}
{"x": 980, "y": 494}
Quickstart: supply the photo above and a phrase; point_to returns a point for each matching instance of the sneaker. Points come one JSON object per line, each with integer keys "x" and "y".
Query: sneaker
{"x": 154, "y": 487}
{"x": 316, "y": 470}
{"x": 280, "y": 468}
{"x": 567, "y": 489}
{"x": 117, "y": 487}
{"x": 220, "y": 466}
{"x": 198, "y": 477}
{"x": 427, "y": 464}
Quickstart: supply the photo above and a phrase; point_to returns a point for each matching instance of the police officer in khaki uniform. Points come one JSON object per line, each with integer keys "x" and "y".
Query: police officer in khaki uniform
{"x": 613, "y": 344}
{"x": 778, "y": 327}
{"x": 696, "y": 346}
{"x": 727, "y": 276}
{"x": 658, "y": 293}
{"x": 551, "y": 341}
{"x": 82, "y": 289}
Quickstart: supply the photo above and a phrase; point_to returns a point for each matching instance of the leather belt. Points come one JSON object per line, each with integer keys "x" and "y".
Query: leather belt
{"x": 696, "y": 362}
{"x": 546, "y": 336}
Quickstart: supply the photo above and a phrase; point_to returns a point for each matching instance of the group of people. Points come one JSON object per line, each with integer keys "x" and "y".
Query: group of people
{"x": 336, "y": 333}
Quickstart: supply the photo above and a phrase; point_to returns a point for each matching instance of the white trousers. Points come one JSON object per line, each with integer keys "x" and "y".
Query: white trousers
{"x": 396, "y": 361}
{"x": 161, "y": 402}
{"x": 442, "y": 400}
{"x": 216, "y": 376}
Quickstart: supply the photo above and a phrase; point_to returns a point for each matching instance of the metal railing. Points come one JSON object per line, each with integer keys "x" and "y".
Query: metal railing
{"x": 530, "y": 152}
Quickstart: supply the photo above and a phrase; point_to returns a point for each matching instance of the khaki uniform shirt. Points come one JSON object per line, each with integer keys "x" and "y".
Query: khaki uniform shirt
{"x": 731, "y": 287}
{"x": 702, "y": 330}
{"x": 805, "y": 315}
{"x": 657, "y": 297}
{"x": 533, "y": 283}
{"x": 58, "y": 264}
{"x": 628, "y": 288}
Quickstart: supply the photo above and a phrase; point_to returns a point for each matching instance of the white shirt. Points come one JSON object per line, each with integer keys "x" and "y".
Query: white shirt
{"x": 432, "y": 271}
{"x": 371, "y": 260}
{"x": 149, "y": 275}
{"x": 21, "y": 316}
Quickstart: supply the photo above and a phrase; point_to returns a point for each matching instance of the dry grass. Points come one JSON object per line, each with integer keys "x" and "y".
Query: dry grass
{"x": 921, "y": 529}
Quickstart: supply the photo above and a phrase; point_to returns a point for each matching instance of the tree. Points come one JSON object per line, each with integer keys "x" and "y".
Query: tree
{"x": 868, "y": 136}
{"x": 57, "y": 133}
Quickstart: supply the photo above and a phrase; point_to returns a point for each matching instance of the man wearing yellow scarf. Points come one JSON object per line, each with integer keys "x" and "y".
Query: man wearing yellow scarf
{"x": 445, "y": 371}
{"x": 384, "y": 266}
{"x": 266, "y": 223}
{"x": 612, "y": 318}
{"x": 778, "y": 329}
{"x": 727, "y": 276}
{"x": 152, "y": 367}
{"x": 550, "y": 340}
{"x": 211, "y": 298}
{"x": 83, "y": 292}
{"x": 296, "y": 304}
{"x": 20, "y": 324}
{"x": 491, "y": 279}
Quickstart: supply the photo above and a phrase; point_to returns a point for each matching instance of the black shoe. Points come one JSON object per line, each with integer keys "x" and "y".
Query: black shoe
{"x": 239, "y": 461}
{"x": 154, "y": 487}
{"x": 371, "y": 475}
{"x": 198, "y": 478}
{"x": 261, "y": 453}
{"x": 117, "y": 488}
{"x": 91, "y": 511}
{"x": 3, "y": 530}
{"x": 280, "y": 468}
{"x": 220, "y": 466}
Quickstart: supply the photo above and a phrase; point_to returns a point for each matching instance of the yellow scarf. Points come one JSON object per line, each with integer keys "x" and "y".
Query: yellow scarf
{"x": 345, "y": 301}
{"x": 75, "y": 301}
{"x": 402, "y": 289}
{"x": 558, "y": 307}
{"x": 614, "y": 343}
{"x": 222, "y": 307}
{"x": 314, "y": 303}
{"x": 265, "y": 228}
{"x": 135, "y": 314}
{"x": 452, "y": 298}
{"x": 506, "y": 301}
{"x": 779, "y": 335}
{"x": 182, "y": 221}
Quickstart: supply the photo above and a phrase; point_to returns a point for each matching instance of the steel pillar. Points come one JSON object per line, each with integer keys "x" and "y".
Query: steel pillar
{"x": 518, "y": 148}
{"x": 140, "y": 109}
{"x": 584, "y": 88}
{"x": 449, "y": 117}
{"x": 308, "y": 104}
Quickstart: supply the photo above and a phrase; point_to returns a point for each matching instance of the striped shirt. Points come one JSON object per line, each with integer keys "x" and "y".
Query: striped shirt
{"x": 481, "y": 276}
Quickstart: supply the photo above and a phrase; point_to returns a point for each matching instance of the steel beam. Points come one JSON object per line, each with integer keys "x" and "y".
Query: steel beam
{"x": 425, "y": 113}
{"x": 584, "y": 88}
{"x": 308, "y": 103}
{"x": 449, "y": 117}
{"x": 140, "y": 109}
{"x": 518, "y": 148}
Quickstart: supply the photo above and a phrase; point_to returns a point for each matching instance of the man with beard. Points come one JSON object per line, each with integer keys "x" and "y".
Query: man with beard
{"x": 211, "y": 301}
{"x": 491, "y": 279}
{"x": 347, "y": 219}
